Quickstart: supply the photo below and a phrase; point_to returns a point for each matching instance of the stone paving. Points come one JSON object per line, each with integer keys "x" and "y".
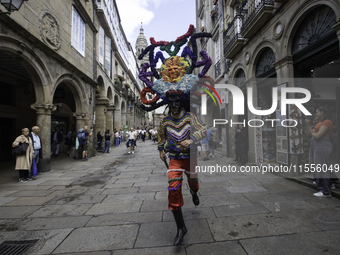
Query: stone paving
{"x": 116, "y": 203}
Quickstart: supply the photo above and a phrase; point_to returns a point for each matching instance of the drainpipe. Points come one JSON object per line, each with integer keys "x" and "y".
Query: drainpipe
{"x": 94, "y": 70}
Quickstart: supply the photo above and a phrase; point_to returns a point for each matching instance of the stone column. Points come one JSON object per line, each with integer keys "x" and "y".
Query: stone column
{"x": 117, "y": 119}
{"x": 336, "y": 27}
{"x": 285, "y": 71}
{"x": 80, "y": 120}
{"x": 101, "y": 114}
{"x": 285, "y": 74}
{"x": 251, "y": 132}
{"x": 131, "y": 117}
{"x": 109, "y": 117}
{"x": 44, "y": 123}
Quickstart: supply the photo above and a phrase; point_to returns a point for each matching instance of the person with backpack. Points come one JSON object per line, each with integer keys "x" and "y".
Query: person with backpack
{"x": 82, "y": 136}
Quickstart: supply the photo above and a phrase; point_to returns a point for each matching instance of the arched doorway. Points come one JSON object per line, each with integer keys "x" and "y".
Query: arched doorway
{"x": 316, "y": 58}
{"x": 17, "y": 93}
{"x": 66, "y": 99}
{"x": 265, "y": 74}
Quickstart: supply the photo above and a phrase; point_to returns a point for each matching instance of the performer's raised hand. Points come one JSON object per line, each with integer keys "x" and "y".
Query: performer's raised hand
{"x": 186, "y": 143}
{"x": 162, "y": 155}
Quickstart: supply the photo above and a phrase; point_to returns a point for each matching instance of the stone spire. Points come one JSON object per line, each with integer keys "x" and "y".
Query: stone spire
{"x": 141, "y": 44}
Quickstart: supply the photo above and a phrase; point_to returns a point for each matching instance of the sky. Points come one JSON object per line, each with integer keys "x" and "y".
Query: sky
{"x": 165, "y": 20}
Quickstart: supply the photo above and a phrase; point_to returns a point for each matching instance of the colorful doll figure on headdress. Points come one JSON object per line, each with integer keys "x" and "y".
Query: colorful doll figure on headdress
{"x": 180, "y": 130}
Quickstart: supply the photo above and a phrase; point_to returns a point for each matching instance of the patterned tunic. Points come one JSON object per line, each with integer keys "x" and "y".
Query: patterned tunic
{"x": 173, "y": 131}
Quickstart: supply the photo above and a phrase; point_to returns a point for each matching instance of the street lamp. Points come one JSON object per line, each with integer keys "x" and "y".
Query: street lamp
{"x": 11, "y": 5}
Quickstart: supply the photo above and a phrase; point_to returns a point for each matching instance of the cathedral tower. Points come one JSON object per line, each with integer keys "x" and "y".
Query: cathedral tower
{"x": 141, "y": 44}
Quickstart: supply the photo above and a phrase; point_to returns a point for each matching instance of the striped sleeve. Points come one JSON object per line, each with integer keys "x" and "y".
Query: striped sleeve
{"x": 161, "y": 136}
{"x": 200, "y": 131}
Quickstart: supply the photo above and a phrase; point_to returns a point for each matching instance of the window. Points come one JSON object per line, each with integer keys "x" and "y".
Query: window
{"x": 101, "y": 45}
{"x": 107, "y": 53}
{"x": 78, "y": 32}
{"x": 217, "y": 49}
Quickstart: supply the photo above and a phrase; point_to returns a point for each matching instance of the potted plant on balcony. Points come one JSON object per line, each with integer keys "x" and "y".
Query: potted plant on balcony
{"x": 212, "y": 13}
{"x": 127, "y": 85}
{"x": 202, "y": 29}
{"x": 215, "y": 2}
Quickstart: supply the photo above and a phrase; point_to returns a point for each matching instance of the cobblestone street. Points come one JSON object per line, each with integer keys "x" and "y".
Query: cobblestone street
{"x": 116, "y": 203}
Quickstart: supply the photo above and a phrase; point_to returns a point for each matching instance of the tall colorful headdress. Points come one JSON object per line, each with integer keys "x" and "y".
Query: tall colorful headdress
{"x": 176, "y": 72}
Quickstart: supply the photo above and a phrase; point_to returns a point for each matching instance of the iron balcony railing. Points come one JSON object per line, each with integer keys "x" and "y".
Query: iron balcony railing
{"x": 214, "y": 19}
{"x": 232, "y": 33}
{"x": 202, "y": 39}
{"x": 250, "y": 8}
{"x": 132, "y": 94}
{"x": 218, "y": 69}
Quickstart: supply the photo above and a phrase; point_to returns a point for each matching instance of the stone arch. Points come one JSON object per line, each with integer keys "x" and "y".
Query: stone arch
{"x": 123, "y": 106}
{"x": 298, "y": 17}
{"x": 32, "y": 63}
{"x": 100, "y": 91}
{"x": 116, "y": 102}
{"x": 75, "y": 86}
{"x": 258, "y": 54}
{"x": 109, "y": 95}
{"x": 235, "y": 71}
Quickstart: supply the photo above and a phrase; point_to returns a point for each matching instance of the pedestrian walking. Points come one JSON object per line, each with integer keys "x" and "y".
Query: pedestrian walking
{"x": 131, "y": 143}
{"x": 23, "y": 162}
{"x": 121, "y": 133}
{"x": 143, "y": 133}
{"x": 154, "y": 135}
{"x": 205, "y": 145}
{"x": 56, "y": 139}
{"x": 107, "y": 137}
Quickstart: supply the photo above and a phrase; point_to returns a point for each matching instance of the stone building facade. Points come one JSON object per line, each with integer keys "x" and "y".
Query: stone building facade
{"x": 265, "y": 44}
{"x": 53, "y": 75}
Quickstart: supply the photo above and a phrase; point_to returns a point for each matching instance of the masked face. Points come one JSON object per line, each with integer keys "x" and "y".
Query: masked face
{"x": 175, "y": 104}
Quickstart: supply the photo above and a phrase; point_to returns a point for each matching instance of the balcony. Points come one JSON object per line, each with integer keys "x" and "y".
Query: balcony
{"x": 216, "y": 15}
{"x": 131, "y": 95}
{"x": 200, "y": 7}
{"x": 232, "y": 39}
{"x": 255, "y": 14}
{"x": 125, "y": 91}
{"x": 217, "y": 68}
{"x": 203, "y": 40}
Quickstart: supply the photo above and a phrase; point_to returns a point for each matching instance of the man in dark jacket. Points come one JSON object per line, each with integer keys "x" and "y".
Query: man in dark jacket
{"x": 241, "y": 145}
{"x": 56, "y": 139}
{"x": 37, "y": 145}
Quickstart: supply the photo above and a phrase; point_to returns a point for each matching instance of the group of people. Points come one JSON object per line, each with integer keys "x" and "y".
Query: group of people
{"x": 24, "y": 162}
{"x": 208, "y": 144}
{"x": 132, "y": 136}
